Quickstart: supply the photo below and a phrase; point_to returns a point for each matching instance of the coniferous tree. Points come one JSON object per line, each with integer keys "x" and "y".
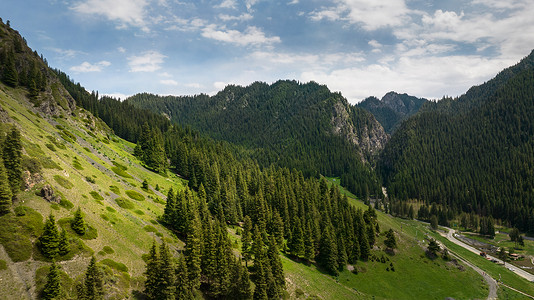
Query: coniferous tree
{"x": 13, "y": 160}
{"x": 241, "y": 282}
{"x": 11, "y": 76}
{"x": 246, "y": 239}
{"x": 78, "y": 223}
{"x": 151, "y": 272}
{"x": 52, "y": 288}
{"x": 93, "y": 287}
{"x": 193, "y": 252}
{"x": 166, "y": 274}
{"x": 296, "y": 244}
{"x": 183, "y": 286}
{"x": 328, "y": 251}
{"x": 63, "y": 244}
{"x": 5, "y": 190}
{"x": 309, "y": 247}
{"x": 277, "y": 269}
{"x": 49, "y": 240}
{"x": 433, "y": 248}
{"x": 390, "y": 240}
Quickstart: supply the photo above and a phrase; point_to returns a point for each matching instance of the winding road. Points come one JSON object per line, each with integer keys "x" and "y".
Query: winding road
{"x": 492, "y": 283}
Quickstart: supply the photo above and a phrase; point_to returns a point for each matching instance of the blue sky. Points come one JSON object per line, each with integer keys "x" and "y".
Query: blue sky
{"x": 358, "y": 47}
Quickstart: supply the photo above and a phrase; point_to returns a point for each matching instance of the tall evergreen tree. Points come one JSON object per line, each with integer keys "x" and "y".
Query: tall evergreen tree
{"x": 328, "y": 251}
{"x": 193, "y": 252}
{"x": 5, "y": 190}
{"x": 93, "y": 288}
{"x": 13, "y": 159}
{"x": 49, "y": 240}
{"x": 11, "y": 76}
{"x": 63, "y": 244}
{"x": 166, "y": 274}
{"x": 296, "y": 243}
{"x": 183, "y": 286}
{"x": 52, "y": 288}
{"x": 151, "y": 272}
{"x": 277, "y": 269}
{"x": 78, "y": 223}
{"x": 246, "y": 239}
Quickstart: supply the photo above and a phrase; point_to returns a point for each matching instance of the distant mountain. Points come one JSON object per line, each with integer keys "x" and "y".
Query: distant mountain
{"x": 295, "y": 125}
{"x": 472, "y": 154}
{"x": 392, "y": 109}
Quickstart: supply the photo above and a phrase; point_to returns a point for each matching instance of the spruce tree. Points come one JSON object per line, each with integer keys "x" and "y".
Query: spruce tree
{"x": 63, "y": 245}
{"x": 328, "y": 251}
{"x": 193, "y": 252}
{"x": 78, "y": 224}
{"x": 93, "y": 288}
{"x": 52, "y": 288}
{"x": 183, "y": 286}
{"x": 245, "y": 291}
{"x": 390, "y": 240}
{"x": 296, "y": 243}
{"x": 277, "y": 269}
{"x": 166, "y": 274}
{"x": 49, "y": 240}
{"x": 5, "y": 190}
{"x": 11, "y": 76}
{"x": 13, "y": 160}
{"x": 151, "y": 273}
{"x": 246, "y": 239}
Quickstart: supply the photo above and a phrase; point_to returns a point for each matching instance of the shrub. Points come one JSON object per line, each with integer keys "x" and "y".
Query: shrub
{"x": 135, "y": 195}
{"x": 63, "y": 182}
{"x": 114, "y": 265}
{"x": 108, "y": 250}
{"x": 124, "y": 203}
{"x": 96, "y": 196}
{"x": 66, "y": 203}
{"x": 110, "y": 209}
{"x": 115, "y": 189}
{"x": 121, "y": 172}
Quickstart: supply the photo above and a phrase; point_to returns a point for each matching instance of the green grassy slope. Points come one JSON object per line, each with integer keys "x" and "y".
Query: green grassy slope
{"x": 70, "y": 167}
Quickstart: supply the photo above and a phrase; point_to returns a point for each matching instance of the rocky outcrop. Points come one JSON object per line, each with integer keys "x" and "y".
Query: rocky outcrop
{"x": 30, "y": 179}
{"x": 48, "y": 194}
{"x": 362, "y": 129}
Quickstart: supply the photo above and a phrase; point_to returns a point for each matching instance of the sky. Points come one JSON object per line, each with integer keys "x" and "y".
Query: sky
{"x": 360, "y": 48}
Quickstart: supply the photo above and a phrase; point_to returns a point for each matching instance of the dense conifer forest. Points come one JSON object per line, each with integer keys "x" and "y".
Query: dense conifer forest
{"x": 475, "y": 159}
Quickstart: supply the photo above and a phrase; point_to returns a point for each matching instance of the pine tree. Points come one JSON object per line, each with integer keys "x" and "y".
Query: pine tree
{"x": 151, "y": 273}
{"x": 5, "y": 190}
{"x": 296, "y": 243}
{"x": 169, "y": 211}
{"x": 13, "y": 160}
{"x": 193, "y": 252}
{"x": 63, "y": 245}
{"x": 52, "y": 288}
{"x": 309, "y": 246}
{"x": 183, "y": 286}
{"x": 390, "y": 240}
{"x": 166, "y": 274}
{"x": 49, "y": 240}
{"x": 433, "y": 248}
{"x": 78, "y": 224}
{"x": 277, "y": 269}
{"x": 328, "y": 251}
{"x": 11, "y": 76}
{"x": 93, "y": 288}
{"x": 244, "y": 288}
{"x": 246, "y": 239}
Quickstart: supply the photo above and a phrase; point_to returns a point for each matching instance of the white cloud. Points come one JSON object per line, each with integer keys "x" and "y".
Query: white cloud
{"x": 293, "y": 2}
{"x": 370, "y": 14}
{"x": 86, "y": 67}
{"x": 169, "y": 82}
{"x": 126, "y": 12}
{"x": 69, "y": 53}
{"x": 150, "y": 61}
{"x": 251, "y": 36}
{"x": 227, "y": 4}
{"x": 374, "y": 44}
{"x": 121, "y": 50}
{"x": 431, "y": 77}
{"x": 241, "y": 18}
{"x": 194, "y": 85}
{"x": 119, "y": 96}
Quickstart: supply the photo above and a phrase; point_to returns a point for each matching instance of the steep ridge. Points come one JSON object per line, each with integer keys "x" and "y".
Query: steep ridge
{"x": 289, "y": 124}
{"x": 392, "y": 109}
{"x": 472, "y": 154}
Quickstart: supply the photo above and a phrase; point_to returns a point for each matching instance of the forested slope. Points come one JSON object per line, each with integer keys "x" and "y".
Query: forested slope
{"x": 289, "y": 124}
{"x": 473, "y": 154}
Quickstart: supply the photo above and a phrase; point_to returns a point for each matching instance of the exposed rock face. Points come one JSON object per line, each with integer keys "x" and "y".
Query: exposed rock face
{"x": 4, "y": 116}
{"x": 48, "y": 194}
{"x": 30, "y": 180}
{"x": 368, "y": 135}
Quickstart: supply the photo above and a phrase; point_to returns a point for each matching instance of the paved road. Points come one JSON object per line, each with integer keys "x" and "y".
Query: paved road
{"x": 516, "y": 270}
{"x": 492, "y": 283}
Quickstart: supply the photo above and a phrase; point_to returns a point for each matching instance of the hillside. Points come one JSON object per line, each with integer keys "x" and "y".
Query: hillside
{"x": 472, "y": 154}
{"x": 289, "y": 124}
{"x": 392, "y": 109}
{"x": 71, "y": 159}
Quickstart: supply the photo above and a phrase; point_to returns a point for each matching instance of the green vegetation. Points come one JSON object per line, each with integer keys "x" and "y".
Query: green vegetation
{"x": 108, "y": 250}
{"x": 124, "y": 203}
{"x": 63, "y": 182}
{"x": 96, "y": 196}
{"x": 135, "y": 195}
{"x": 3, "y": 265}
{"x": 115, "y": 189}
{"x": 115, "y": 265}
{"x": 121, "y": 172}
